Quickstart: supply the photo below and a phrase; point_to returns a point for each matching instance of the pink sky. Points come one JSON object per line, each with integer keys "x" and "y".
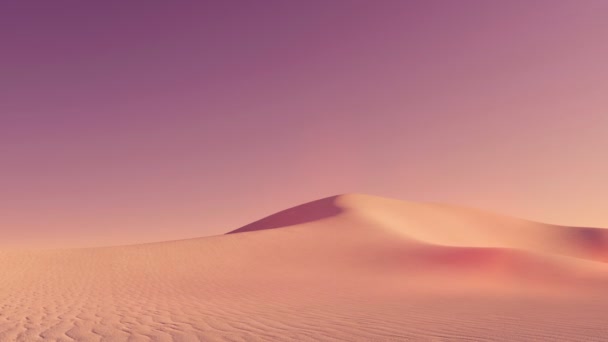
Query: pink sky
{"x": 122, "y": 122}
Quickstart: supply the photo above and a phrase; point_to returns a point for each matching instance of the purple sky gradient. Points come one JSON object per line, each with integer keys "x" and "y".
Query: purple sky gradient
{"x": 134, "y": 121}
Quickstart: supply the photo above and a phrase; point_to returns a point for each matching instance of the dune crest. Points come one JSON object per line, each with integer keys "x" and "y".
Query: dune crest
{"x": 447, "y": 225}
{"x": 350, "y": 267}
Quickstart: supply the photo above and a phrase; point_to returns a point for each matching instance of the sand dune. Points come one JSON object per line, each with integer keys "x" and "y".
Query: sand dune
{"x": 344, "y": 268}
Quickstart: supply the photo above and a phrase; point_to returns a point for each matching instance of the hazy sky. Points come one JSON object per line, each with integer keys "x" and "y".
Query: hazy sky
{"x": 129, "y": 121}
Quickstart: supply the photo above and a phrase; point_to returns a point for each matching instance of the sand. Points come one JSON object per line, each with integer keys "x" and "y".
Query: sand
{"x": 345, "y": 268}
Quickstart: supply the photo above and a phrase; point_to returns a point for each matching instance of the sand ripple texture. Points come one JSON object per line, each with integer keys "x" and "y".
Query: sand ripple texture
{"x": 344, "y": 268}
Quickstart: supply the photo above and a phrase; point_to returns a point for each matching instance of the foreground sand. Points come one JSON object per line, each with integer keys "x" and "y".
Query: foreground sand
{"x": 346, "y": 268}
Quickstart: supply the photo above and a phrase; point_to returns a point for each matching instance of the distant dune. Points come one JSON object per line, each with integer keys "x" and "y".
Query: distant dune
{"x": 344, "y": 268}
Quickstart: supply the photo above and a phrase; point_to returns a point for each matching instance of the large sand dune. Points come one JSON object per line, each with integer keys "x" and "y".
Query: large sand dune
{"x": 345, "y": 268}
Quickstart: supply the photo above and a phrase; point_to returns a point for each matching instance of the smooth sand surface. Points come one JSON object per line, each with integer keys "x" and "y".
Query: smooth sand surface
{"x": 345, "y": 268}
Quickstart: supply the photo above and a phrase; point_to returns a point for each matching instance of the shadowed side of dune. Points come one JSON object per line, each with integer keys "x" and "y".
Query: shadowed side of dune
{"x": 593, "y": 241}
{"x": 304, "y": 213}
{"x": 595, "y": 238}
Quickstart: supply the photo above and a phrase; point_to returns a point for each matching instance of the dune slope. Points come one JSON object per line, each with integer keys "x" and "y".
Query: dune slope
{"x": 344, "y": 268}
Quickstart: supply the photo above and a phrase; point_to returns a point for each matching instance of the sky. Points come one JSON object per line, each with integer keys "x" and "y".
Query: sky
{"x": 137, "y": 121}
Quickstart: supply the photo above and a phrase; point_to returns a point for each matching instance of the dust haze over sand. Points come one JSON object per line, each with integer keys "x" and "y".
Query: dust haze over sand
{"x": 345, "y": 268}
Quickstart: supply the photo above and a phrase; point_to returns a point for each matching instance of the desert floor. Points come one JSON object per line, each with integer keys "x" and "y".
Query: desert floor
{"x": 345, "y": 268}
